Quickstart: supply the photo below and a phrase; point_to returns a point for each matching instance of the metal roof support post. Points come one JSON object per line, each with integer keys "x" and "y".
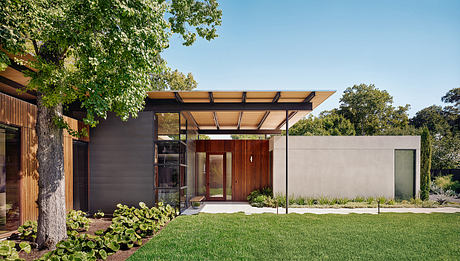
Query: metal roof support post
{"x": 287, "y": 159}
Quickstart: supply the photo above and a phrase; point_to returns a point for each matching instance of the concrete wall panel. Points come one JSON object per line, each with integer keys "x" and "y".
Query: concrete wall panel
{"x": 333, "y": 166}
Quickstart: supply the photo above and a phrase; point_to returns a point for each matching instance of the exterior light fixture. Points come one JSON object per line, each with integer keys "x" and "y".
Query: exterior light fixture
{"x": 250, "y": 159}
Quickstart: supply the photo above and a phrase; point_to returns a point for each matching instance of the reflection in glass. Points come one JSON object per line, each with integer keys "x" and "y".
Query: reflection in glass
{"x": 216, "y": 176}
{"x": 228, "y": 174}
{"x": 168, "y": 196}
{"x": 168, "y": 126}
{"x": 168, "y": 176}
{"x": 201, "y": 173}
{"x": 9, "y": 178}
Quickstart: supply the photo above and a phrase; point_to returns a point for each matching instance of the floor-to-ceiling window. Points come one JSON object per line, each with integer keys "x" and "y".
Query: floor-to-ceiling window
{"x": 170, "y": 162}
{"x": 10, "y": 158}
{"x": 80, "y": 175}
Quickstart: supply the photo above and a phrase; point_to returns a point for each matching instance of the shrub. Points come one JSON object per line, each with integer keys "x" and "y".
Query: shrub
{"x": 28, "y": 231}
{"x": 381, "y": 200}
{"x": 270, "y": 202}
{"x": 390, "y": 202}
{"x": 259, "y": 201}
{"x": 261, "y": 197}
{"x": 342, "y": 201}
{"x": 323, "y": 201}
{"x": 281, "y": 200}
{"x": 9, "y": 250}
{"x": 300, "y": 201}
{"x": 425, "y": 164}
{"x": 416, "y": 201}
{"x": 370, "y": 200}
{"x": 99, "y": 214}
{"x": 77, "y": 220}
{"x": 359, "y": 199}
{"x": 446, "y": 183}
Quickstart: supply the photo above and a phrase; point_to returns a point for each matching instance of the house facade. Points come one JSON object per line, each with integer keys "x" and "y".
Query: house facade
{"x": 161, "y": 154}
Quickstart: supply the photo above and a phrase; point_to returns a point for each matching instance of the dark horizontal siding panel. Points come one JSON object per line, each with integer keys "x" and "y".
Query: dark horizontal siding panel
{"x": 121, "y": 162}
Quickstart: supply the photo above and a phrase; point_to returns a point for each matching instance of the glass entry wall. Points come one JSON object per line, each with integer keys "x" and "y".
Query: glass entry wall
{"x": 10, "y": 159}
{"x": 213, "y": 172}
{"x": 170, "y": 160}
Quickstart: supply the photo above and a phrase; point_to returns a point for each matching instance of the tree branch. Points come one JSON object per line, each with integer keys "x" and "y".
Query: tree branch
{"x": 35, "y": 47}
{"x": 63, "y": 54}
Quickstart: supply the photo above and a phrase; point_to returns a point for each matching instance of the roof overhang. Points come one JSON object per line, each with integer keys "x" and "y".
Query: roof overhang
{"x": 238, "y": 112}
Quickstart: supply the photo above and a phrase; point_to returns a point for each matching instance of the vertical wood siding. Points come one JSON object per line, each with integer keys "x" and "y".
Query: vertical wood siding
{"x": 22, "y": 114}
{"x": 246, "y": 176}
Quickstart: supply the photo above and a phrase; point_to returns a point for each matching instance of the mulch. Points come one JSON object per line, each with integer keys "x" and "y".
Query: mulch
{"x": 95, "y": 225}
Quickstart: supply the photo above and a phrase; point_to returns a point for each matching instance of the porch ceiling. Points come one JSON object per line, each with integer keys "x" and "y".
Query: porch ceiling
{"x": 241, "y": 111}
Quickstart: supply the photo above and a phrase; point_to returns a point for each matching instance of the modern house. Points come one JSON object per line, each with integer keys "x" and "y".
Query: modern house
{"x": 159, "y": 155}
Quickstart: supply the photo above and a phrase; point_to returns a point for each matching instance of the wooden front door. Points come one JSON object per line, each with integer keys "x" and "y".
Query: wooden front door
{"x": 216, "y": 176}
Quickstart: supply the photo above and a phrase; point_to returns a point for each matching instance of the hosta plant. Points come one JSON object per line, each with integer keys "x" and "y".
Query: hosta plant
{"x": 99, "y": 214}
{"x": 77, "y": 220}
{"x": 129, "y": 226}
{"x": 28, "y": 231}
{"x": 9, "y": 250}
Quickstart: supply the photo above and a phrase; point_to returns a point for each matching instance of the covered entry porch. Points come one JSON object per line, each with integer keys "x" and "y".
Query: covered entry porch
{"x": 224, "y": 170}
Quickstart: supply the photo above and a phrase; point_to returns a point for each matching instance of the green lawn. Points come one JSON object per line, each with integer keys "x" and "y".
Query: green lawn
{"x": 337, "y": 237}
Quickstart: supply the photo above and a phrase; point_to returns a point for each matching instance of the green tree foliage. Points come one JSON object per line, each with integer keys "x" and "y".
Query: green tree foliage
{"x": 204, "y": 137}
{"x": 330, "y": 124}
{"x": 101, "y": 54}
{"x": 370, "y": 110}
{"x": 446, "y": 152}
{"x": 444, "y": 125}
{"x": 247, "y": 137}
{"x": 452, "y": 96}
{"x": 425, "y": 164}
{"x": 172, "y": 80}
{"x": 433, "y": 118}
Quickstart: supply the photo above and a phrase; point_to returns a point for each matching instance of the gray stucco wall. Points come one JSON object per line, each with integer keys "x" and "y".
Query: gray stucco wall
{"x": 340, "y": 166}
{"x": 121, "y": 162}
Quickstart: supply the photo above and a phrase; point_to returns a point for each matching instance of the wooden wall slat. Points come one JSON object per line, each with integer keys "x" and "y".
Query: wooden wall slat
{"x": 246, "y": 176}
{"x": 22, "y": 114}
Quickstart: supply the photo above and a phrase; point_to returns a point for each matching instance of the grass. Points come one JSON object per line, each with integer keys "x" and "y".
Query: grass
{"x": 386, "y": 236}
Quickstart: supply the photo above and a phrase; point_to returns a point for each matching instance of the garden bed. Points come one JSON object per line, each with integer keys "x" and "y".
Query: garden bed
{"x": 94, "y": 238}
{"x": 264, "y": 198}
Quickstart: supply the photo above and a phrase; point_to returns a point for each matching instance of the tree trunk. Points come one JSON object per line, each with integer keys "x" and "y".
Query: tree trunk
{"x": 51, "y": 182}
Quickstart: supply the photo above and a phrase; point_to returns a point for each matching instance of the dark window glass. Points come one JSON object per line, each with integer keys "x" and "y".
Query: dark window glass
{"x": 10, "y": 162}
{"x": 80, "y": 175}
{"x": 168, "y": 177}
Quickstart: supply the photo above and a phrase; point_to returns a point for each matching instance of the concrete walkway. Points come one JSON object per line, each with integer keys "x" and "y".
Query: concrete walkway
{"x": 235, "y": 207}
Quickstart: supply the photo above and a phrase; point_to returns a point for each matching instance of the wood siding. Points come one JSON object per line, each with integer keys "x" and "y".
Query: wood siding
{"x": 246, "y": 176}
{"x": 22, "y": 114}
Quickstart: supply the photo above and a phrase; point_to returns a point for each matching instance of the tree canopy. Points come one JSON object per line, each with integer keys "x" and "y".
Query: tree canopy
{"x": 370, "y": 110}
{"x": 101, "y": 53}
{"x": 330, "y": 124}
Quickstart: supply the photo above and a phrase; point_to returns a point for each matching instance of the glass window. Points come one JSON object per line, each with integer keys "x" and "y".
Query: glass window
{"x": 228, "y": 182}
{"x": 216, "y": 176}
{"x": 168, "y": 176}
{"x": 201, "y": 173}
{"x": 168, "y": 126}
{"x": 168, "y": 196}
{"x": 404, "y": 174}
{"x": 10, "y": 162}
